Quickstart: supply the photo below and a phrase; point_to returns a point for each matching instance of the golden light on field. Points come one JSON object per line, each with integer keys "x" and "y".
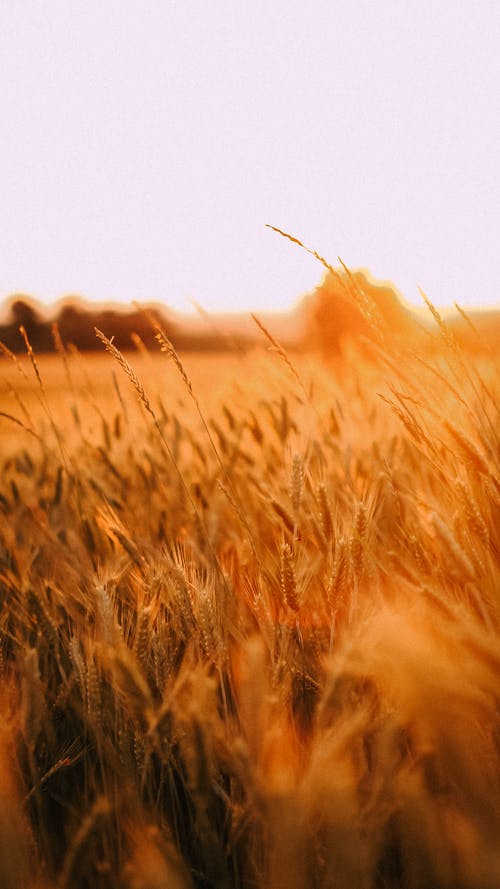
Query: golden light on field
{"x": 145, "y": 146}
{"x": 249, "y": 562}
{"x": 250, "y": 616}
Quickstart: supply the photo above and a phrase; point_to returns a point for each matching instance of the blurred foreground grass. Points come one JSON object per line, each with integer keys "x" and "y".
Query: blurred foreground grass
{"x": 250, "y": 621}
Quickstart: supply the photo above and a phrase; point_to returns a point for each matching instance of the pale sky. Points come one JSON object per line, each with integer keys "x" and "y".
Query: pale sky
{"x": 144, "y": 145}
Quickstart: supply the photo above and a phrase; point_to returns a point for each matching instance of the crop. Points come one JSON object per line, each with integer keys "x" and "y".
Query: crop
{"x": 250, "y": 618}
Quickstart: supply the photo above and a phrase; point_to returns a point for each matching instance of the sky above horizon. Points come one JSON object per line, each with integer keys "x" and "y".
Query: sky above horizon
{"x": 145, "y": 145}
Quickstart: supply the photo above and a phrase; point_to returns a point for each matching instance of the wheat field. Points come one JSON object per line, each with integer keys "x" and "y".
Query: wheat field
{"x": 250, "y": 618}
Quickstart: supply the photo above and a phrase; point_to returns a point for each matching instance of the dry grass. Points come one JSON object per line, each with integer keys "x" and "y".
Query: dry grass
{"x": 250, "y": 622}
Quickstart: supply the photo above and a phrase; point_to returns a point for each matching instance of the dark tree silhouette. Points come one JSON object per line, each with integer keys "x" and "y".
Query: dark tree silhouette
{"x": 24, "y": 313}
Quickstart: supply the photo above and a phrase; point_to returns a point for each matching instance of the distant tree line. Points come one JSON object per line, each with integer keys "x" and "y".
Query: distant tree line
{"x": 75, "y": 324}
{"x": 345, "y": 306}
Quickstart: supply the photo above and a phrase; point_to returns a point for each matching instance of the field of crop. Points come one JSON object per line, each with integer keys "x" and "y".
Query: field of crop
{"x": 250, "y": 619}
